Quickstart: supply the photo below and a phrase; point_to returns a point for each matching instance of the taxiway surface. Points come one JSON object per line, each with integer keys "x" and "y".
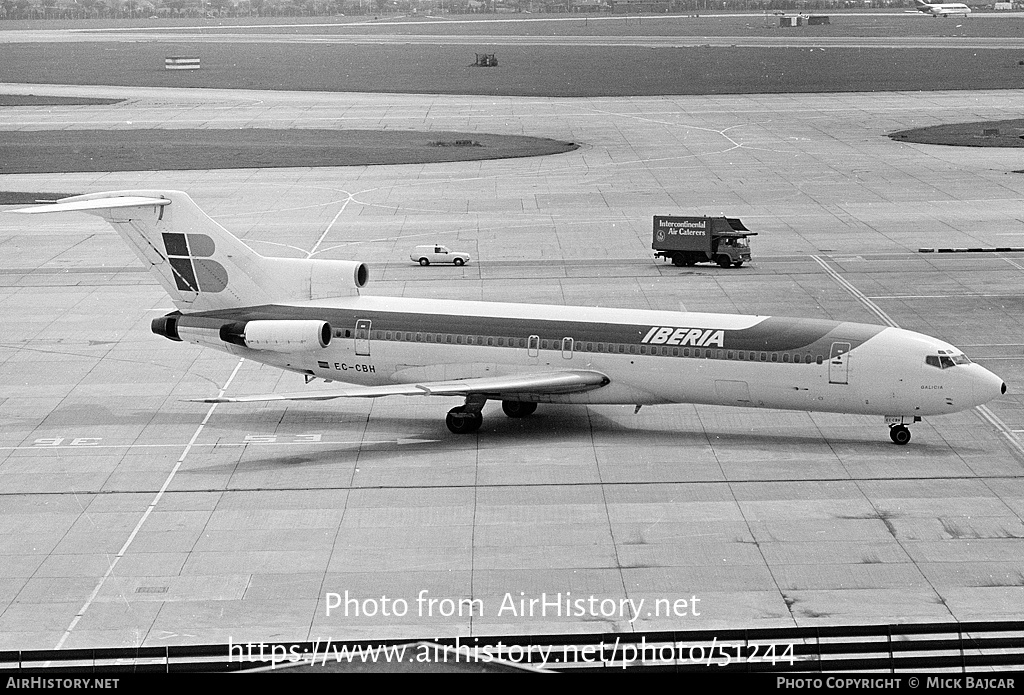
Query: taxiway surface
{"x": 131, "y": 517}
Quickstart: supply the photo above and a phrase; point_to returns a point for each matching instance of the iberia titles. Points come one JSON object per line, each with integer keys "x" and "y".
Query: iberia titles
{"x": 669, "y": 335}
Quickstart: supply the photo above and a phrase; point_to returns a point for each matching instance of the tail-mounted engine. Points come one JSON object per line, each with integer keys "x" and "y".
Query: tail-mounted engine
{"x": 302, "y": 279}
{"x": 278, "y": 336}
{"x": 271, "y": 335}
{"x": 167, "y": 326}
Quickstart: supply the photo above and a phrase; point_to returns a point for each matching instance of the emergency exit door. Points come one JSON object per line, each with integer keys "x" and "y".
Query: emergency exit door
{"x": 839, "y": 364}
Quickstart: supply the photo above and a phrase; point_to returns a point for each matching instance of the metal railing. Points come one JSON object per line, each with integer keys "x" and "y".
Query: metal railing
{"x": 894, "y": 648}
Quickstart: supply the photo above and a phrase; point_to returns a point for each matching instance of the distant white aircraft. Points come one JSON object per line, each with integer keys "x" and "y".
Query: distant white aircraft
{"x": 942, "y": 9}
{"x": 307, "y": 316}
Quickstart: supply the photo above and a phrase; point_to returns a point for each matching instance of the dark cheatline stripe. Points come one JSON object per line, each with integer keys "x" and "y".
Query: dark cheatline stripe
{"x": 774, "y": 334}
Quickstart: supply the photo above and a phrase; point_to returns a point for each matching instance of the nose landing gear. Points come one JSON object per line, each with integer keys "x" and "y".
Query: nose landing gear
{"x": 899, "y": 434}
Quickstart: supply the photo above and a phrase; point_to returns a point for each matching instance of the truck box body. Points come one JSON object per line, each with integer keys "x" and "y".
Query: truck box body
{"x": 686, "y": 240}
{"x": 682, "y": 233}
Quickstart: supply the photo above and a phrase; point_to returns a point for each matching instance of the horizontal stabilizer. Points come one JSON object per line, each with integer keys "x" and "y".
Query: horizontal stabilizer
{"x": 95, "y": 204}
{"x": 546, "y": 383}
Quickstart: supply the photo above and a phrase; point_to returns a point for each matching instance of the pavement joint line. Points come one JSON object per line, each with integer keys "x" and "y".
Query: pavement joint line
{"x": 149, "y": 510}
{"x": 516, "y": 485}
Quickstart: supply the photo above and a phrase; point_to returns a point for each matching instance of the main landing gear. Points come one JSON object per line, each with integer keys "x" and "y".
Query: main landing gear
{"x": 462, "y": 421}
{"x": 518, "y": 408}
{"x": 467, "y": 418}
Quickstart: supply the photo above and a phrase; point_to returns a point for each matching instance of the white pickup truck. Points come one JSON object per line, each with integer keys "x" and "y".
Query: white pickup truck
{"x": 435, "y": 253}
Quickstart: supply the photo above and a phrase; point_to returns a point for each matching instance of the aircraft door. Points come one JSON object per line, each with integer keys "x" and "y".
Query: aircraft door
{"x": 567, "y": 345}
{"x": 533, "y": 345}
{"x": 839, "y": 364}
{"x": 363, "y": 337}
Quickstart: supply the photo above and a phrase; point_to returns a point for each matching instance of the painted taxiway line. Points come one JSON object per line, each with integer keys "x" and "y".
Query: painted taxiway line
{"x": 212, "y": 445}
{"x": 149, "y": 510}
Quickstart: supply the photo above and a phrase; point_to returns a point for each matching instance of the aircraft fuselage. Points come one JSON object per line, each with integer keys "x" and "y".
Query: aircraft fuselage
{"x": 650, "y": 357}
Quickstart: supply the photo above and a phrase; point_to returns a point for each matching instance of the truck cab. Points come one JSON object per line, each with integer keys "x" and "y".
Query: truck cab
{"x": 731, "y": 250}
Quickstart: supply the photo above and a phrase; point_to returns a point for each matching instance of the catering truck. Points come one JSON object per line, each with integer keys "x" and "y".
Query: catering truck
{"x": 690, "y": 240}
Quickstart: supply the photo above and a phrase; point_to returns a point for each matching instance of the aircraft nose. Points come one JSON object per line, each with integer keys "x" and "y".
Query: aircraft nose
{"x": 988, "y": 386}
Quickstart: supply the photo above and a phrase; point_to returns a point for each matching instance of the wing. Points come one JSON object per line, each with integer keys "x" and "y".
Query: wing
{"x": 94, "y": 204}
{"x": 538, "y": 385}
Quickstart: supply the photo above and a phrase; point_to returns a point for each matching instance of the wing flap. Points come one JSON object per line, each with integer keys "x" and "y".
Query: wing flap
{"x": 547, "y": 383}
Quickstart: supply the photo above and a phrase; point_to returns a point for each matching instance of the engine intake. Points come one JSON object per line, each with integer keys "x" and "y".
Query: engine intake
{"x": 278, "y": 336}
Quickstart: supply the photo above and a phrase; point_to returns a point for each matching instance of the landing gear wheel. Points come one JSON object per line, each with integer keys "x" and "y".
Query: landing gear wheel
{"x": 424, "y": 261}
{"x": 459, "y": 261}
{"x": 518, "y": 408}
{"x": 459, "y": 421}
{"x": 899, "y": 434}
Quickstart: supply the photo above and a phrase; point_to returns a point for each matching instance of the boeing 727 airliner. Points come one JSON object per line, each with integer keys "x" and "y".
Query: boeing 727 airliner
{"x": 308, "y": 316}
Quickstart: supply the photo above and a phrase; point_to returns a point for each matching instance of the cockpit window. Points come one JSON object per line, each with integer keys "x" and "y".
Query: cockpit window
{"x": 946, "y": 361}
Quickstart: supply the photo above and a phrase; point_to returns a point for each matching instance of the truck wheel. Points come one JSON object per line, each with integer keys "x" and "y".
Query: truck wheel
{"x": 424, "y": 261}
{"x": 678, "y": 261}
{"x": 723, "y": 261}
{"x": 458, "y": 261}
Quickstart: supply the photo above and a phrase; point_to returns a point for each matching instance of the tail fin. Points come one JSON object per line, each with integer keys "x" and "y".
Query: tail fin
{"x": 201, "y": 265}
